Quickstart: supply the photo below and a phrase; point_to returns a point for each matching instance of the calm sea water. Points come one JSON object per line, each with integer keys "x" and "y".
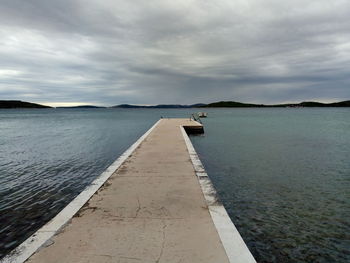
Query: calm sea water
{"x": 284, "y": 177}
{"x": 283, "y": 174}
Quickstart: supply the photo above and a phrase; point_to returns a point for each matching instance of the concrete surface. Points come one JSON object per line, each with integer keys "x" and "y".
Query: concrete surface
{"x": 151, "y": 209}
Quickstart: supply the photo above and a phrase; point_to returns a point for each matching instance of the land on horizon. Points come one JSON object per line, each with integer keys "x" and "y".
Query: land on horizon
{"x": 13, "y": 104}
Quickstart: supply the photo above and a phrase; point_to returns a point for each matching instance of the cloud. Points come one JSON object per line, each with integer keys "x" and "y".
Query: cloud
{"x": 157, "y": 51}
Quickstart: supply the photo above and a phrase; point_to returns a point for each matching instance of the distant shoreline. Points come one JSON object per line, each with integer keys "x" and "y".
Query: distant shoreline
{"x": 233, "y": 104}
{"x": 16, "y": 104}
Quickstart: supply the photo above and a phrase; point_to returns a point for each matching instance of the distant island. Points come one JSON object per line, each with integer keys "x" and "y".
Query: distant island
{"x": 234, "y": 104}
{"x": 12, "y": 104}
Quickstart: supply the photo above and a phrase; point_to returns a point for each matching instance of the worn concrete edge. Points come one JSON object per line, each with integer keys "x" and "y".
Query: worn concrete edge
{"x": 235, "y": 247}
{"x": 41, "y": 237}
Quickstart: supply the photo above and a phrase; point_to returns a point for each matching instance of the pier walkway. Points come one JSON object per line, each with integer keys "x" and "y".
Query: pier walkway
{"x": 151, "y": 209}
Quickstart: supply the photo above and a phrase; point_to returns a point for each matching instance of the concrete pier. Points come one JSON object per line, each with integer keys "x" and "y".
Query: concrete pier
{"x": 154, "y": 208}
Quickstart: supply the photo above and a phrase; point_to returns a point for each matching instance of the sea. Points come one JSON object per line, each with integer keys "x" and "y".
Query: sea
{"x": 283, "y": 174}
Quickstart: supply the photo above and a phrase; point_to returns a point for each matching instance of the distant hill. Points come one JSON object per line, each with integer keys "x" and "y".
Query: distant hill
{"x": 13, "y": 104}
{"x": 160, "y": 106}
{"x": 311, "y": 104}
{"x": 315, "y": 104}
{"x": 340, "y": 104}
{"x": 234, "y": 104}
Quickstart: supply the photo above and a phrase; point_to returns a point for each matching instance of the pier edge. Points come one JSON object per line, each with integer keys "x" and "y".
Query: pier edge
{"x": 234, "y": 245}
{"x": 42, "y": 236}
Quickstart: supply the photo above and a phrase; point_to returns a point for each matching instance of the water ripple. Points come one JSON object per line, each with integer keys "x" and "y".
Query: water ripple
{"x": 47, "y": 157}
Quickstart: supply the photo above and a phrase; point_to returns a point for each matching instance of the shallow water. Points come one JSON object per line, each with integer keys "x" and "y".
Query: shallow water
{"x": 48, "y": 156}
{"x": 284, "y": 177}
{"x": 283, "y": 174}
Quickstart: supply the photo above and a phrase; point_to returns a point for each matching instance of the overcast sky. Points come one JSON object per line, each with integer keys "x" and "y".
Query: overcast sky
{"x": 108, "y": 52}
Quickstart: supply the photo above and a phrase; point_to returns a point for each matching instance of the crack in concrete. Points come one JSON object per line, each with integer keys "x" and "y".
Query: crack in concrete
{"x": 138, "y": 208}
{"x": 163, "y": 242}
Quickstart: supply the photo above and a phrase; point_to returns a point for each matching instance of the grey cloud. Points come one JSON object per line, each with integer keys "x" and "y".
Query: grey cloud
{"x": 110, "y": 52}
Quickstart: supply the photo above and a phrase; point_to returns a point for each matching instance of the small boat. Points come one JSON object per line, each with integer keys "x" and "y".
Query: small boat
{"x": 202, "y": 114}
